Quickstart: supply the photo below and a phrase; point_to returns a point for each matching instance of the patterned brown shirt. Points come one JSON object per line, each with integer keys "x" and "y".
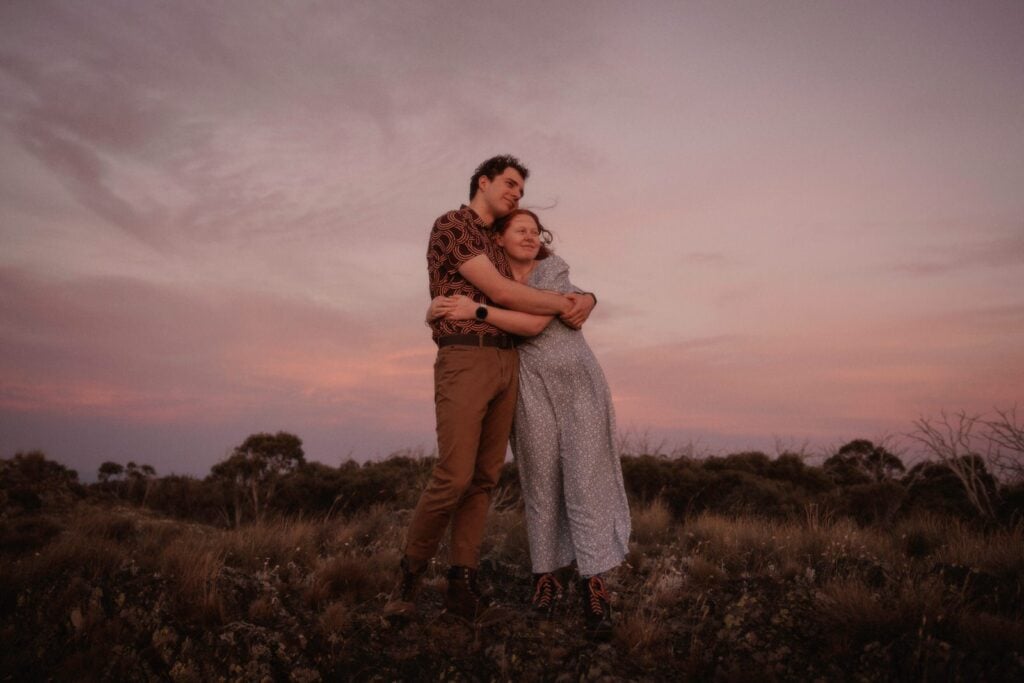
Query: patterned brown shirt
{"x": 456, "y": 237}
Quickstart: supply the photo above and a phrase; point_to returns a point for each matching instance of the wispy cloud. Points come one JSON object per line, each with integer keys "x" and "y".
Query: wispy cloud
{"x": 1006, "y": 252}
{"x": 121, "y": 346}
{"x": 705, "y": 258}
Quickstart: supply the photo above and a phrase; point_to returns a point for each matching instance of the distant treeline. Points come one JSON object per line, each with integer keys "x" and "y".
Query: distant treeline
{"x": 268, "y": 475}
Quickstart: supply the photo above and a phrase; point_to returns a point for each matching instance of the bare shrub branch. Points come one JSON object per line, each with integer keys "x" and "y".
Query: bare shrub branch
{"x": 953, "y": 440}
{"x": 1006, "y": 435}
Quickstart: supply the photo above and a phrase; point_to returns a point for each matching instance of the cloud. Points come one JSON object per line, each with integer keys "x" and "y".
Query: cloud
{"x": 86, "y": 175}
{"x": 1006, "y": 252}
{"x": 820, "y": 382}
{"x": 118, "y": 346}
{"x": 709, "y": 259}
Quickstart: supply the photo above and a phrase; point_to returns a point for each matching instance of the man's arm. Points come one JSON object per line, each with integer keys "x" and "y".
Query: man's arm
{"x": 460, "y": 307}
{"x": 508, "y": 293}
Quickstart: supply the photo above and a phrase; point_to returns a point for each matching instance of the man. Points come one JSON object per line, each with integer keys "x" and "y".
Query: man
{"x": 475, "y": 387}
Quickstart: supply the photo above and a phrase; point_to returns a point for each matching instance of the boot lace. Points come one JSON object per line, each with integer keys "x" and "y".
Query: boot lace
{"x": 598, "y": 594}
{"x": 547, "y": 588}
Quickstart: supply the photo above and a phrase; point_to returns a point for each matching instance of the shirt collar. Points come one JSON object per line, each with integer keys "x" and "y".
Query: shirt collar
{"x": 477, "y": 221}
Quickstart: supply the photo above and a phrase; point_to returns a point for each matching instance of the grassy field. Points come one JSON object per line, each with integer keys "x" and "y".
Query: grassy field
{"x": 107, "y": 592}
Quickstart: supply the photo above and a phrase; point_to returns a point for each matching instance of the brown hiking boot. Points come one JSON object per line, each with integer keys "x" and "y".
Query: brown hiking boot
{"x": 465, "y": 600}
{"x": 597, "y": 608}
{"x": 547, "y": 593}
{"x": 402, "y": 601}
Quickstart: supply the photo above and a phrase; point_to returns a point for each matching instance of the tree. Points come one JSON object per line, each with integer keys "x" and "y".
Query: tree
{"x": 860, "y": 462}
{"x": 137, "y": 482}
{"x": 254, "y": 469}
{"x": 110, "y": 470}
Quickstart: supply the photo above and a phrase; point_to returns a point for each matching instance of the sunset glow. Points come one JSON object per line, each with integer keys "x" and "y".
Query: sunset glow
{"x": 802, "y": 220}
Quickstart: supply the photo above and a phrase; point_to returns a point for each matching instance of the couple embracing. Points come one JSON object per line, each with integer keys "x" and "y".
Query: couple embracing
{"x": 512, "y": 361}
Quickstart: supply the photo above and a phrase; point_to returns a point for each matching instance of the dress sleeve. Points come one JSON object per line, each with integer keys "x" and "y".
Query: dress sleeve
{"x": 555, "y": 276}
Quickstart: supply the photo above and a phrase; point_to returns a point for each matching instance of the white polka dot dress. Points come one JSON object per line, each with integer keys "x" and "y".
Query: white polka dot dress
{"x": 563, "y": 440}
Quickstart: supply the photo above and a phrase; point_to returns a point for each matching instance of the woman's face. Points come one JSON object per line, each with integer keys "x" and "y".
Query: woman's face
{"x": 521, "y": 239}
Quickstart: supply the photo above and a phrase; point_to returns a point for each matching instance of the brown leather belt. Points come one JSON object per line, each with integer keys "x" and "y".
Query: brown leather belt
{"x": 502, "y": 342}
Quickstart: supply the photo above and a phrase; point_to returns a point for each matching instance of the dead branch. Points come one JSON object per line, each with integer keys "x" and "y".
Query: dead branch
{"x": 952, "y": 440}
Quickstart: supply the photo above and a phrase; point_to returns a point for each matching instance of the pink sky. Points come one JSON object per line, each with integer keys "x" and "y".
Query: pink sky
{"x": 804, "y": 221}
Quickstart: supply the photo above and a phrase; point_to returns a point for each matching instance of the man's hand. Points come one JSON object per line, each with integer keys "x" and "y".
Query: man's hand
{"x": 439, "y": 307}
{"x": 582, "y": 305}
{"x": 463, "y": 308}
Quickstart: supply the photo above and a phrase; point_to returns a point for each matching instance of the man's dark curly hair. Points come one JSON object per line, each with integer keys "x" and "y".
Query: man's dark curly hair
{"x": 495, "y": 166}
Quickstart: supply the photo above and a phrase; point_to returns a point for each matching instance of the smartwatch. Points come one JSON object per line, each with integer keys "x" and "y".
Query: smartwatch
{"x": 481, "y": 313}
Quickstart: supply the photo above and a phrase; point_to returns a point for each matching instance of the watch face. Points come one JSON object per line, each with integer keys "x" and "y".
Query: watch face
{"x": 481, "y": 312}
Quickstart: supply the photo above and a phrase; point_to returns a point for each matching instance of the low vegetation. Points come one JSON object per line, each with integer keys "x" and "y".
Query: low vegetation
{"x": 742, "y": 567}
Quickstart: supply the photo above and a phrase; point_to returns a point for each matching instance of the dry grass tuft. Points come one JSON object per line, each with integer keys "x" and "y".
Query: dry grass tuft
{"x": 851, "y": 609}
{"x": 854, "y": 613}
{"x": 352, "y": 579}
{"x": 704, "y": 572}
{"x": 378, "y": 528}
{"x": 739, "y": 546}
{"x": 194, "y": 571}
{"x": 652, "y": 523}
{"x": 110, "y": 524}
{"x": 262, "y": 610}
{"x": 335, "y": 619}
{"x": 641, "y": 632}
{"x": 271, "y": 544}
{"x": 999, "y": 552}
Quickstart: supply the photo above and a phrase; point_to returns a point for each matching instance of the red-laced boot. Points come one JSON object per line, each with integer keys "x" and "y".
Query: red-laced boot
{"x": 547, "y": 593}
{"x": 597, "y": 608}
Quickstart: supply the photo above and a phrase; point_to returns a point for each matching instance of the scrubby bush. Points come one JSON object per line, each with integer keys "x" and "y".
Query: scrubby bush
{"x": 189, "y": 498}
{"x": 791, "y": 468}
{"x": 29, "y": 482}
{"x": 735, "y": 484}
{"x": 1011, "y": 499}
{"x": 647, "y": 476}
{"x": 935, "y": 487}
{"x": 868, "y": 502}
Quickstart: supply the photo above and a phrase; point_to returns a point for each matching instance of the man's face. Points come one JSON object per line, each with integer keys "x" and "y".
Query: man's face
{"x": 503, "y": 193}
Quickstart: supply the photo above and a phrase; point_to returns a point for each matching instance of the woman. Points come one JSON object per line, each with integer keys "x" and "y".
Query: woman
{"x": 563, "y": 434}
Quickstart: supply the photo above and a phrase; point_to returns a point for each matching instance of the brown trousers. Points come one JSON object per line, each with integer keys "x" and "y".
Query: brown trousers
{"x": 475, "y": 391}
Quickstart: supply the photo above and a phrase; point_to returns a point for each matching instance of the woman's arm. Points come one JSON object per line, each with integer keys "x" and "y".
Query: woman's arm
{"x": 583, "y": 302}
{"x": 463, "y": 308}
